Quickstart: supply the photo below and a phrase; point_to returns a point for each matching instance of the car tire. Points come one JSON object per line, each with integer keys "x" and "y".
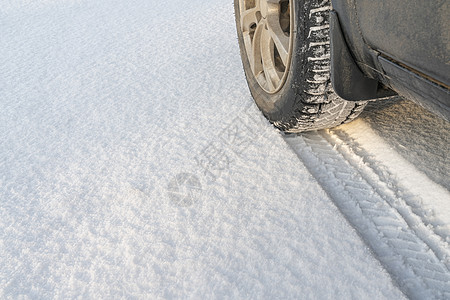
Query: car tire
{"x": 285, "y": 50}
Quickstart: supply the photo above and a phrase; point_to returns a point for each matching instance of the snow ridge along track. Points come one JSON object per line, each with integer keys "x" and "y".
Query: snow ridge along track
{"x": 414, "y": 254}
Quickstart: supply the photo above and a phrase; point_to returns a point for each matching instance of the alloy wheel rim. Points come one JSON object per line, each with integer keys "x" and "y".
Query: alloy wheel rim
{"x": 267, "y": 27}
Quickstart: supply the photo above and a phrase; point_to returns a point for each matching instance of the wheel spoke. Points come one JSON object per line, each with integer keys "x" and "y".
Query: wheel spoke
{"x": 267, "y": 55}
{"x": 249, "y": 18}
{"x": 255, "y": 50}
{"x": 280, "y": 39}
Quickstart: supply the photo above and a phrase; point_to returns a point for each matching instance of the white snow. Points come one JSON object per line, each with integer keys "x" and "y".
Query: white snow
{"x": 103, "y": 105}
{"x": 434, "y": 198}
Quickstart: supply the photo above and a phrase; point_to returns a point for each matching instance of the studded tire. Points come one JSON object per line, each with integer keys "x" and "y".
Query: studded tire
{"x": 290, "y": 81}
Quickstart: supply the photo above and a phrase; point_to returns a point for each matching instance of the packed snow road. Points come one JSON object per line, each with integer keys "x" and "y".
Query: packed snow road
{"x": 134, "y": 164}
{"x": 400, "y": 213}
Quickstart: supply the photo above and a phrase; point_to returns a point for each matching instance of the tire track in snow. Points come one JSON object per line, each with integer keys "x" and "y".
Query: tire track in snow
{"x": 410, "y": 248}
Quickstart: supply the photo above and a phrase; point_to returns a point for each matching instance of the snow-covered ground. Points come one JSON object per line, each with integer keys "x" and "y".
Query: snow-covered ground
{"x": 133, "y": 163}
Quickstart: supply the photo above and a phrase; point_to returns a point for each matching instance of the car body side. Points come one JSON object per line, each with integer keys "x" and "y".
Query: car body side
{"x": 403, "y": 45}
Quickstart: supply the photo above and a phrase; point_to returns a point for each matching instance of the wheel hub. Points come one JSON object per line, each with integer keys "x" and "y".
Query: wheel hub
{"x": 266, "y": 28}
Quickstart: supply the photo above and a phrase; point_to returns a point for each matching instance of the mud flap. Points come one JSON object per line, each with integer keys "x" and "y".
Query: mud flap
{"x": 346, "y": 77}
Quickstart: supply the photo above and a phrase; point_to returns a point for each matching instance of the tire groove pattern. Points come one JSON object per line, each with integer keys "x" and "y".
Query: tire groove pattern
{"x": 317, "y": 106}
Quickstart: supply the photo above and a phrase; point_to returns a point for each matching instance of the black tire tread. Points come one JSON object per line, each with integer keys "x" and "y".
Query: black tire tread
{"x": 317, "y": 106}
